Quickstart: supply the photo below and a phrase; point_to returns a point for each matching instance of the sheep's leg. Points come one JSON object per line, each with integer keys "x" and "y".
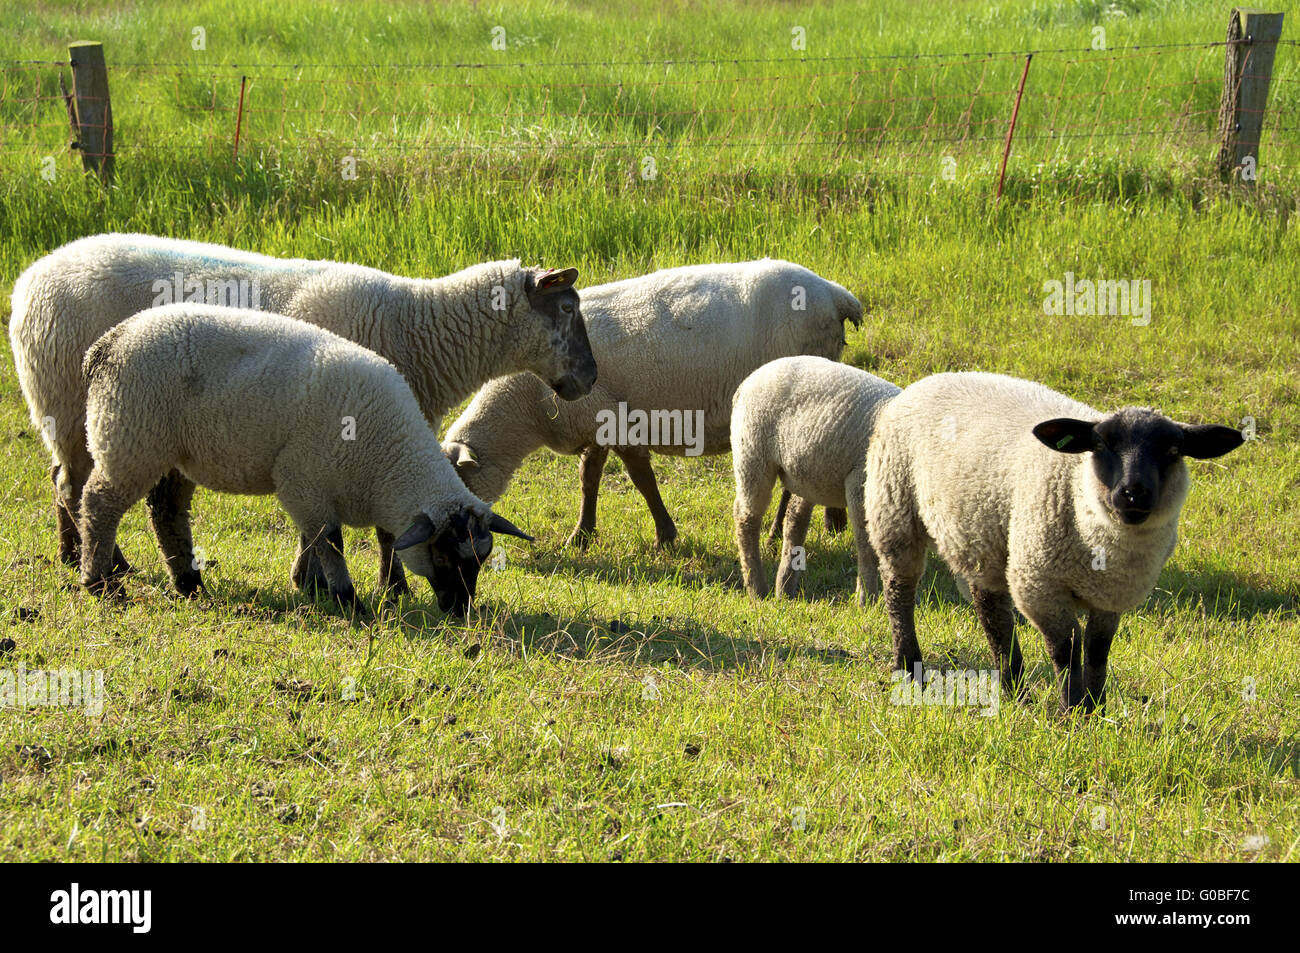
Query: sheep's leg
{"x": 307, "y": 575}
{"x": 392, "y": 575}
{"x": 66, "y": 518}
{"x": 778, "y": 521}
{"x": 753, "y": 494}
{"x": 637, "y": 462}
{"x": 900, "y": 545}
{"x": 102, "y": 508}
{"x": 591, "y": 467}
{"x": 1096, "y": 649}
{"x": 326, "y": 543}
{"x": 797, "y": 518}
{"x": 997, "y": 615}
{"x": 868, "y": 586}
{"x": 1064, "y": 638}
{"x": 169, "y": 513}
{"x": 70, "y": 478}
{"x": 835, "y": 520}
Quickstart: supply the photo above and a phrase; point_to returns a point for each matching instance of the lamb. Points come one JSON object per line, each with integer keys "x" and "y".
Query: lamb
{"x": 675, "y": 342}
{"x": 244, "y": 401}
{"x": 1034, "y": 500}
{"x": 446, "y": 335}
{"x": 808, "y": 421}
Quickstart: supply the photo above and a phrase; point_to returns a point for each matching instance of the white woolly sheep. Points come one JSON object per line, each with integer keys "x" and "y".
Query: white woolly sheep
{"x": 808, "y": 422}
{"x": 249, "y": 402}
{"x": 675, "y": 342}
{"x": 446, "y": 335}
{"x": 1035, "y": 500}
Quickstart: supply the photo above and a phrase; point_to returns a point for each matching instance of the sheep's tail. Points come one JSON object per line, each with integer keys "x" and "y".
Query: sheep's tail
{"x": 98, "y": 356}
{"x": 847, "y": 307}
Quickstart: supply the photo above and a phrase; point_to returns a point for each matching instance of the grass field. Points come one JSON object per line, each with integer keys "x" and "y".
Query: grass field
{"x": 625, "y": 703}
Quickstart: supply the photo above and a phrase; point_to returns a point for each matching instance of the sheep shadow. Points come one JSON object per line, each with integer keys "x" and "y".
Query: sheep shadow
{"x": 1220, "y": 595}
{"x": 686, "y": 643}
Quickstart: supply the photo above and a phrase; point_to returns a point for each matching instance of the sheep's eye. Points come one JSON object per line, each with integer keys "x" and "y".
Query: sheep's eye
{"x": 567, "y": 309}
{"x": 1172, "y": 453}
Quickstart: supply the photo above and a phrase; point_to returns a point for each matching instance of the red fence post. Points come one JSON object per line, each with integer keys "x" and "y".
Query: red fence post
{"x": 1011, "y": 128}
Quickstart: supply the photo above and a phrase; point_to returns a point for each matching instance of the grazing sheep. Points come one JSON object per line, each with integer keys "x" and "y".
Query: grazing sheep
{"x": 677, "y": 341}
{"x": 446, "y": 335}
{"x": 806, "y": 421}
{"x": 250, "y": 402}
{"x": 1034, "y": 500}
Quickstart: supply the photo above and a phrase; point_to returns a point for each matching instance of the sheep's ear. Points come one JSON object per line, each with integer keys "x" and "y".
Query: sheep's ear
{"x": 1204, "y": 441}
{"x": 420, "y": 531}
{"x": 460, "y": 454}
{"x": 1065, "y": 434}
{"x": 557, "y": 279}
{"x": 499, "y": 524}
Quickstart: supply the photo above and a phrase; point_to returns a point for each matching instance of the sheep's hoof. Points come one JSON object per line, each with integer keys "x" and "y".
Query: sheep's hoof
{"x": 120, "y": 566}
{"x": 70, "y": 555}
{"x": 581, "y": 537}
{"x": 666, "y": 539}
{"x": 106, "y": 587}
{"x": 188, "y": 583}
{"x": 394, "y": 589}
{"x": 787, "y": 586}
{"x": 311, "y": 585}
{"x": 351, "y": 604}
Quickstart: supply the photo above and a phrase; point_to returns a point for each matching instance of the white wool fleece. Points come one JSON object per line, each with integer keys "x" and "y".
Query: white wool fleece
{"x": 250, "y": 402}
{"x": 677, "y": 339}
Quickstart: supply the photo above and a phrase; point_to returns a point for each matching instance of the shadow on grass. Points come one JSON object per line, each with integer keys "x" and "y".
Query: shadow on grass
{"x": 1220, "y": 595}
{"x": 683, "y": 642}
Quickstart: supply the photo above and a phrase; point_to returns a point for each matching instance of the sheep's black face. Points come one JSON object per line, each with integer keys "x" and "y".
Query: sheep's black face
{"x": 1137, "y": 456}
{"x": 552, "y": 295}
{"x": 457, "y": 554}
{"x": 451, "y": 557}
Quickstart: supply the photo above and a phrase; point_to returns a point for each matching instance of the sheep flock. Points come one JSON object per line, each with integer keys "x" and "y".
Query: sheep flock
{"x": 152, "y": 366}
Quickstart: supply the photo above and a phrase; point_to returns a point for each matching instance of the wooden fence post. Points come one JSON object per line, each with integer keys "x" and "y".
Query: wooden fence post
{"x": 93, "y": 111}
{"x": 1248, "y": 70}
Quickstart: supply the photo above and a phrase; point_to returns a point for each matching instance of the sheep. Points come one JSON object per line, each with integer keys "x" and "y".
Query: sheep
{"x": 675, "y": 342}
{"x": 245, "y": 401}
{"x": 1036, "y": 501}
{"x": 446, "y": 335}
{"x": 807, "y": 421}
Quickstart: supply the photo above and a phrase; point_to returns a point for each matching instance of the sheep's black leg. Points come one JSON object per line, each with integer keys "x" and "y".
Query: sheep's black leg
{"x": 998, "y": 617}
{"x": 835, "y": 520}
{"x": 327, "y": 543}
{"x": 1064, "y": 638}
{"x": 102, "y": 507}
{"x": 637, "y": 461}
{"x": 392, "y": 575}
{"x": 778, "y": 521}
{"x": 169, "y": 513}
{"x": 308, "y": 576}
{"x": 1096, "y": 650}
{"x": 591, "y": 466}
{"x": 900, "y": 603}
{"x": 69, "y": 535}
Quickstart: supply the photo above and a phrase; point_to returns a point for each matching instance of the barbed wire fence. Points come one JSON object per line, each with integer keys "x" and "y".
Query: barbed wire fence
{"x": 937, "y": 117}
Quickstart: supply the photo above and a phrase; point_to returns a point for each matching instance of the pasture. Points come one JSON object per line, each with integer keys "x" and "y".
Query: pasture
{"x": 623, "y": 703}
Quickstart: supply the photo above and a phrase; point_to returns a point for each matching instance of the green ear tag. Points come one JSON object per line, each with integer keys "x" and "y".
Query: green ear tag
{"x": 1064, "y": 440}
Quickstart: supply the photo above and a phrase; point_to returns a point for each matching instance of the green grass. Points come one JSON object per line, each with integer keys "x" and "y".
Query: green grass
{"x": 627, "y": 703}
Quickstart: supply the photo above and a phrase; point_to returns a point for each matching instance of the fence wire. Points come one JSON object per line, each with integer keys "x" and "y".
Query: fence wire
{"x": 931, "y": 116}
